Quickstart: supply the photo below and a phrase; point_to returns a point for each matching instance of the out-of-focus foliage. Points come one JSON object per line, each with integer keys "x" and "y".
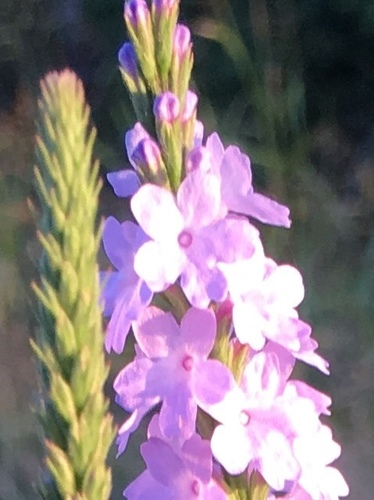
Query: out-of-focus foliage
{"x": 292, "y": 81}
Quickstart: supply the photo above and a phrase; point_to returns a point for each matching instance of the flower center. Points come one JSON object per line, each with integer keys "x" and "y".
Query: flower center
{"x": 185, "y": 239}
{"x": 244, "y": 418}
{"x": 187, "y": 363}
{"x": 196, "y": 488}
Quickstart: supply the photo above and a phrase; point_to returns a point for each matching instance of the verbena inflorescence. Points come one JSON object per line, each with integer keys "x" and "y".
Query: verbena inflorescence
{"x": 214, "y": 319}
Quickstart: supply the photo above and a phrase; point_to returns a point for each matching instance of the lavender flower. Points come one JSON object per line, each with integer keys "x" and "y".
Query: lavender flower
{"x": 169, "y": 359}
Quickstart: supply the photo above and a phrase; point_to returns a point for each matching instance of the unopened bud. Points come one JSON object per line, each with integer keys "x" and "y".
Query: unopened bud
{"x": 128, "y": 60}
{"x": 182, "y": 41}
{"x": 139, "y": 26}
{"x": 164, "y": 6}
{"x": 166, "y": 108}
{"x": 136, "y": 14}
{"x": 148, "y": 159}
{"x": 133, "y": 137}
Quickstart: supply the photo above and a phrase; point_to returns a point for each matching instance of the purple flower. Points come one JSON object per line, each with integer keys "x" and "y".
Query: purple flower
{"x": 189, "y": 237}
{"x": 264, "y": 297}
{"x": 258, "y": 423}
{"x": 170, "y": 358}
{"x": 125, "y": 295}
{"x": 183, "y": 474}
{"x": 234, "y": 169}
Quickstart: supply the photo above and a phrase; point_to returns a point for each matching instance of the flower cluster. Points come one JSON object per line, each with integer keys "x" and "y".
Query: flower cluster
{"x": 214, "y": 319}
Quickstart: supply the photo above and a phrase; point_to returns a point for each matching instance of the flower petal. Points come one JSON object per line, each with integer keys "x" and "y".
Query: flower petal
{"x": 198, "y": 331}
{"x": 199, "y": 199}
{"x": 157, "y": 213}
{"x": 125, "y": 183}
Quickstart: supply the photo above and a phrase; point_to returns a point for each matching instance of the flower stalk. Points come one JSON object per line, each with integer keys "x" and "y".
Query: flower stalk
{"x": 77, "y": 428}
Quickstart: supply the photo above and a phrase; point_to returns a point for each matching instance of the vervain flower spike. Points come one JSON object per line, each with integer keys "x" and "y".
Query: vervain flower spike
{"x": 215, "y": 321}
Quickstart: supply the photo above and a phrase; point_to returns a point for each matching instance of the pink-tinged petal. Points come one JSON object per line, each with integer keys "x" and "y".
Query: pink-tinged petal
{"x": 193, "y": 287}
{"x": 116, "y": 247}
{"x": 262, "y": 208}
{"x": 159, "y": 265}
{"x": 233, "y": 238}
{"x": 285, "y": 359}
{"x": 277, "y": 463}
{"x": 215, "y": 146}
{"x": 199, "y": 199}
{"x": 129, "y": 306}
{"x": 125, "y": 183}
{"x": 249, "y": 325}
{"x": 156, "y": 332}
{"x": 163, "y": 463}
{"x": 244, "y": 275}
{"x": 198, "y": 457}
{"x": 155, "y": 210}
{"x": 133, "y": 137}
{"x": 178, "y": 413}
{"x": 128, "y": 427}
{"x": 154, "y": 428}
{"x": 199, "y": 133}
{"x": 223, "y": 400}
{"x": 285, "y": 286}
{"x": 314, "y": 359}
{"x": 212, "y": 491}
{"x": 321, "y": 401}
{"x": 236, "y": 175}
{"x": 334, "y": 484}
{"x": 144, "y": 487}
{"x": 198, "y": 331}
{"x": 117, "y": 330}
{"x": 131, "y": 385}
{"x": 261, "y": 379}
{"x": 231, "y": 447}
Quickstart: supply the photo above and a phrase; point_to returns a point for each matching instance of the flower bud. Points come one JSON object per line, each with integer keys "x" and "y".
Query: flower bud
{"x": 164, "y": 7}
{"x": 136, "y": 14}
{"x": 128, "y": 60}
{"x": 182, "y": 41}
{"x": 133, "y": 137}
{"x": 166, "y": 108}
{"x": 147, "y": 158}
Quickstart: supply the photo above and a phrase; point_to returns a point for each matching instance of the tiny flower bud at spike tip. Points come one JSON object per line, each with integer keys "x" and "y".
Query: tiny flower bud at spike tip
{"x": 139, "y": 25}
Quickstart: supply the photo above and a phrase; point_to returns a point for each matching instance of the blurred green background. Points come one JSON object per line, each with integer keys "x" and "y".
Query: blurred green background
{"x": 291, "y": 82}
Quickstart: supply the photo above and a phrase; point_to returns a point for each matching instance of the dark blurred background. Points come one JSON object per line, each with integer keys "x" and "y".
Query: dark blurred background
{"x": 291, "y": 82}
